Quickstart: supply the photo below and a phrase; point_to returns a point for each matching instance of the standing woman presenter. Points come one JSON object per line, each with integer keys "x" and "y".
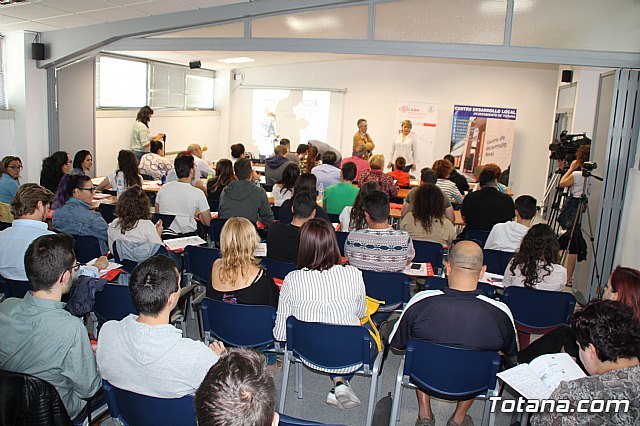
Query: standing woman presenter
{"x": 141, "y": 136}
{"x": 405, "y": 145}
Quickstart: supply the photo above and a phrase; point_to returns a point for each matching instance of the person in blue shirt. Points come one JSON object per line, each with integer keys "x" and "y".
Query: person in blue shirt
{"x": 76, "y": 216}
{"x": 10, "y": 169}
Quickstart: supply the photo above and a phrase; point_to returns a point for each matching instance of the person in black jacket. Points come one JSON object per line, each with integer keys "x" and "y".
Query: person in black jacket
{"x": 457, "y": 178}
{"x": 484, "y": 208}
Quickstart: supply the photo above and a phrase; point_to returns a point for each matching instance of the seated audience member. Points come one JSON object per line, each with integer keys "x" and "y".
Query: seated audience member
{"x": 127, "y": 171}
{"x": 376, "y": 174}
{"x": 322, "y": 280}
{"x": 30, "y": 208}
{"x": 244, "y": 198}
{"x": 154, "y": 163}
{"x": 274, "y": 166}
{"x": 10, "y": 169}
{"x": 203, "y": 169}
{"x": 357, "y": 158}
{"x": 301, "y": 152}
{"x": 482, "y": 209}
{"x": 312, "y": 159}
{"x": 498, "y": 171}
{"x": 305, "y": 182}
{"x": 342, "y": 194}
{"x": 352, "y": 217}
{"x": 536, "y": 264}
{"x": 460, "y": 180}
{"x": 144, "y": 353}
{"x": 133, "y": 224}
{"x": 82, "y": 163}
{"x": 427, "y": 175}
{"x": 224, "y": 176}
{"x": 449, "y": 189}
{"x": 402, "y": 177}
{"x": 283, "y": 190}
{"x": 237, "y": 152}
{"x": 76, "y": 216}
{"x": 456, "y": 316}
{"x": 608, "y": 336}
{"x": 327, "y": 173}
{"x": 284, "y": 238}
{"x": 426, "y": 221}
{"x": 324, "y": 147}
{"x": 507, "y": 236}
{"x": 378, "y": 247}
{"x": 237, "y": 276}
{"x": 53, "y": 168}
{"x": 61, "y": 195}
{"x": 183, "y": 200}
{"x": 293, "y": 156}
{"x": 237, "y": 391}
{"x": 39, "y": 337}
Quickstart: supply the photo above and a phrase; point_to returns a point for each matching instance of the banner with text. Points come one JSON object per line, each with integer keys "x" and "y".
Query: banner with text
{"x": 423, "y": 117}
{"x": 482, "y": 135}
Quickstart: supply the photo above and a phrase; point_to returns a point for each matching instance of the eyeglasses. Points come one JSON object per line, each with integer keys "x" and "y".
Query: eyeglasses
{"x": 15, "y": 167}
{"x": 92, "y": 189}
{"x": 75, "y": 267}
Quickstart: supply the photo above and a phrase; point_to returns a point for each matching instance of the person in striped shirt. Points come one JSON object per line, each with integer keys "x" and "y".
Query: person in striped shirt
{"x": 443, "y": 168}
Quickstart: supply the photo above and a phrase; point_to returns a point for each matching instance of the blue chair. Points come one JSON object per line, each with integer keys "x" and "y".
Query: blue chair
{"x": 215, "y": 230}
{"x": 538, "y": 311}
{"x": 316, "y": 344}
{"x": 497, "y": 261}
{"x": 277, "y": 268}
{"x": 238, "y": 325}
{"x": 14, "y": 288}
{"x": 86, "y": 248}
{"x": 438, "y": 283}
{"x": 341, "y": 236}
{"x": 390, "y": 287}
{"x": 108, "y": 212}
{"x": 198, "y": 262}
{"x": 167, "y": 219}
{"x": 292, "y": 421}
{"x": 133, "y": 409}
{"x": 427, "y": 251}
{"x": 447, "y": 373}
{"x": 276, "y": 212}
{"x": 113, "y": 303}
{"x": 334, "y": 218}
{"x": 4, "y": 225}
{"x": 477, "y": 235}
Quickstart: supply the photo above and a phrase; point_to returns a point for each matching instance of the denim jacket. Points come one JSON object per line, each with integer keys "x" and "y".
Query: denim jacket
{"x": 77, "y": 218}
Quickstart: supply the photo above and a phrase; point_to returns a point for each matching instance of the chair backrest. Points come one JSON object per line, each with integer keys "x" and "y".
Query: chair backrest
{"x": 496, "y": 261}
{"x": 334, "y": 218}
{"x": 539, "y": 309}
{"x": 390, "y": 287}
{"x": 199, "y": 260}
{"x": 216, "y": 229}
{"x": 28, "y": 400}
{"x": 86, "y": 248}
{"x": 341, "y": 236}
{"x": 4, "y": 225}
{"x": 316, "y": 343}
{"x": 14, "y": 288}
{"x": 450, "y": 373}
{"x": 167, "y": 219}
{"x": 214, "y": 205}
{"x": 277, "y": 268}
{"x": 438, "y": 283}
{"x": 292, "y": 421}
{"x": 478, "y": 235}
{"x": 108, "y": 212}
{"x": 113, "y": 303}
{"x": 276, "y": 212}
{"x": 239, "y": 325}
{"x": 133, "y": 409}
{"x": 426, "y": 251}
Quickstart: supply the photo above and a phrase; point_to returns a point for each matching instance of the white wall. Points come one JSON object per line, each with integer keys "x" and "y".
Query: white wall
{"x": 113, "y": 133}
{"x": 374, "y": 87}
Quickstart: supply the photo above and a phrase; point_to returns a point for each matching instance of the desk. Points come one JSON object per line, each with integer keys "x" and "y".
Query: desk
{"x": 147, "y": 185}
{"x": 102, "y": 199}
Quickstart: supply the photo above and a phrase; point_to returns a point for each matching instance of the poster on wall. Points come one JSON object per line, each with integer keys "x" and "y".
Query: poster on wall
{"x": 482, "y": 135}
{"x": 423, "y": 117}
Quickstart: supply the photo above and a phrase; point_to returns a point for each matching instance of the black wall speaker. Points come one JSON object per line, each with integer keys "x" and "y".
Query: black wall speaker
{"x": 195, "y": 64}
{"x": 567, "y": 76}
{"x": 37, "y": 51}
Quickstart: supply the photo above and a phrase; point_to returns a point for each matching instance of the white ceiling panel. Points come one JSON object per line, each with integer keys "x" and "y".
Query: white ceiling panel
{"x": 70, "y": 21}
{"x": 28, "y": 26}
{"x": 78, "y": 6}
{"x": 159, "y": 7}
{"x": 128, "y": 2}
{"x": 29, "y": 11}
{"x": 213, "y": 3}
{"x": 4, "y": 20}
{"x": 115, "y": 14}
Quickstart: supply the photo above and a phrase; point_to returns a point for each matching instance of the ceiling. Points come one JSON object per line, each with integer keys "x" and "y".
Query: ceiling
{"x": 50, "y": 15}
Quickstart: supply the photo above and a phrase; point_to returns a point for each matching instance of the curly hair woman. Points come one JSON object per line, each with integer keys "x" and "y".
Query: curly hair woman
{"x": 536, "y": 263}
{"x": 352, "y": 217}
{"x": 133, "y": 223}
{"x": 426, "y": 221}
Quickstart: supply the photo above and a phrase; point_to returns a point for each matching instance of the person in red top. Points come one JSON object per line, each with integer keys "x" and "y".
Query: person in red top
{"x": 357, "y": 159}
{"x": 377, "y": 175}
{"x": 399, "y": 174}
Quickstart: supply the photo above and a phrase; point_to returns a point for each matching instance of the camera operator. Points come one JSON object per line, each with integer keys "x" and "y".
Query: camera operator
{"x": 574, "y": 180}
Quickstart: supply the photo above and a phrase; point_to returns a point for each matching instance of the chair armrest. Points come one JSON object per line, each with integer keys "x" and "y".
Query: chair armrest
{"x": 198, "y": 299}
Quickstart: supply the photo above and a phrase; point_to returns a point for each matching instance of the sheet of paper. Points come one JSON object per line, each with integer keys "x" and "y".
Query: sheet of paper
{"x": 493, "y": 279}
{"x": 524, "y": 380}
{"x": 110, "y": 266}
{"x": 261, "y": 250}
{"x": 180, "y": 243}
{"x": 100, "y": 196}
{"x": 555, "y": 368}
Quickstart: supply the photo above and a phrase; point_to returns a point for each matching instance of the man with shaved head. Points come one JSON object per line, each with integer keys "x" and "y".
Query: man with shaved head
{"x": 202, "y": 167}
{"x": 458, "y": 316}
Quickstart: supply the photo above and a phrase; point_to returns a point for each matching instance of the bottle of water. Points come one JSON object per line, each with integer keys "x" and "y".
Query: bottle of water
{"x": 257, "y": 181}
{"x": 321, "y": 190}
{"x": 445, "y": 260}
{"x": 119, "y": 184}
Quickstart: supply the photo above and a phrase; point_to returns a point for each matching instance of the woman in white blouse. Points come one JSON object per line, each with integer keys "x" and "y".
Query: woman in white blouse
{"x": 283, "y": 190}
{"x": 536, "y": 263}
{"x": 405, "y": 145}
{"x": 323, "y": 290}
{"x": 133, "y": 223}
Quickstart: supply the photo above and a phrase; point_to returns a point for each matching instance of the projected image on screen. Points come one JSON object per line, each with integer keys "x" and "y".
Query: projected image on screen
{"x": 298, "y": 115}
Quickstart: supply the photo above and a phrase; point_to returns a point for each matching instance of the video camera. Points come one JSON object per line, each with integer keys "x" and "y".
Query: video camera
{"x": 566, "y": 147}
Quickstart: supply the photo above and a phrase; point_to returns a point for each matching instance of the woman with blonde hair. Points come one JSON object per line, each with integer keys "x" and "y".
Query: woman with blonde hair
{"x": 405, "y": 145}
{"x": 237, "y": 276}
{"x": 377, "y": 175}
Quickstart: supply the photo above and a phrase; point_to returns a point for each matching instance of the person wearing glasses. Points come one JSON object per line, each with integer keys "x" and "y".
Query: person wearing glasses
{"x": 10, "y": 169}
{"x": 39, "y": 337}
{"x": 76, "y": 217}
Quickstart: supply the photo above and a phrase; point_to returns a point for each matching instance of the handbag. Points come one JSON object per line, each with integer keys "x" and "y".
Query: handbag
{"x": 569, "y": 212}
{"x": 372, "y": 308}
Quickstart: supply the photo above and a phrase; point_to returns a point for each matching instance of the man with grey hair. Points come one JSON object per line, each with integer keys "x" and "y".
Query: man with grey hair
{"x": 202, "y": 167}
{"x": 357, "y": 159}
{"x": 458, "y": 316}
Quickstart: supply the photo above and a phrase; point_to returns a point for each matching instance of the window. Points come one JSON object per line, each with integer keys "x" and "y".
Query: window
{"x": 121, "y": 83}
{"x": 199, "y": 91}
{"x": 4, "y": 104}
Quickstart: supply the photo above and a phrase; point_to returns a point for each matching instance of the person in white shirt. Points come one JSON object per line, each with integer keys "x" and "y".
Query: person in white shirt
{"x": 133, "y": 222}
{"x": 405, "y": 145}
{"x": 443, "y": 168}
{"x": 127, "y": 171}
{"x": 507, "y": 236}
{"x": 202, "y": 167}
{"x": 144, "y": 353}
{"x": 183, "y": 200}
{"x": 327, "y": 173}
{"x": 536, "y": 263}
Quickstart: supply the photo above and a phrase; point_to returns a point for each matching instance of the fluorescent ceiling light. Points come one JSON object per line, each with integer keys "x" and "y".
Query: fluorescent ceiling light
{"x": 239, "y": 60}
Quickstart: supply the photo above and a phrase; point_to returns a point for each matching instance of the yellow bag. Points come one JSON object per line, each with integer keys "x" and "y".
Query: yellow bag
{"x": 5, "y": 213}
{"x": 372, "y": 308}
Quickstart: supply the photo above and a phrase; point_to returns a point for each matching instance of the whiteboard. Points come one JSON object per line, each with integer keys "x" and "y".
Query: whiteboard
{"x": 627, "y": 253}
